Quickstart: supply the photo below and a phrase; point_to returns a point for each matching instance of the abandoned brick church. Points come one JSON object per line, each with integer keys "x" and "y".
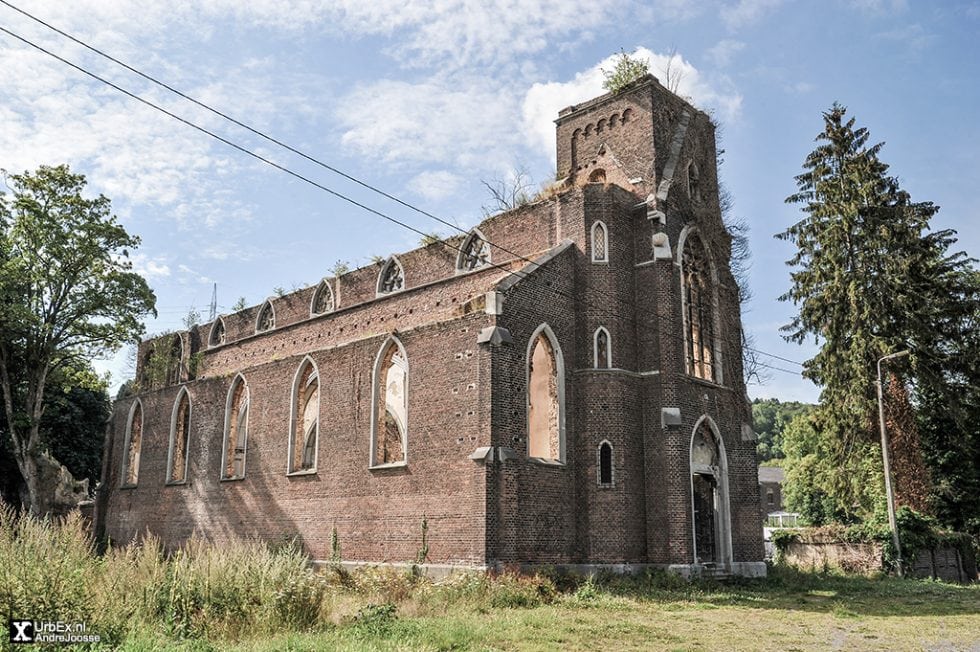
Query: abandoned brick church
{"x": 561, "y": 386}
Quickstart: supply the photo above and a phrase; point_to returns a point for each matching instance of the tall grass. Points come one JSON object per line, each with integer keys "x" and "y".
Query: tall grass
{"x": 49, "y": 571}
{"x": 240, "y": 589}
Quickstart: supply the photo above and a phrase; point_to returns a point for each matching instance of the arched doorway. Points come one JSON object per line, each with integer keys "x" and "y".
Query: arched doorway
{"x": 709, "y": 496}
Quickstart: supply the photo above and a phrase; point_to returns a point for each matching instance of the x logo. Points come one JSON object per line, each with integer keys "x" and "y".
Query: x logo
{"x": 24, "y": 633}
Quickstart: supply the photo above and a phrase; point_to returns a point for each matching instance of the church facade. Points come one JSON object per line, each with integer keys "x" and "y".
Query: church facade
{"x": 560, "y": 386}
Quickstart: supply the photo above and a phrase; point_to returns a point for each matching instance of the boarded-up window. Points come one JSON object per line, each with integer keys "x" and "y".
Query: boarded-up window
{"x": 305, "y": 420}
{"x": 544, "y": 405}
{"x": 390, "y": 435}
{"x": 236, "y": 431}
{"x": 600, "y": 243}
{"x": 605, "y": 464}
{"x": 603, "y": 354}
{"x": 699, "y": 314}
{"x": 704, "y": 451}
{"x": 134, "y": 442}
{"x": 180, "y": 428}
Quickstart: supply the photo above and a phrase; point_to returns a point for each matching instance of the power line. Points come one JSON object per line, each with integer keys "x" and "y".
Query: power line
{"x": 265, "y": 160}
{"x": 250, "y": 129}
{"x": 290, "y": 148}
{"x": 518, "y": 273}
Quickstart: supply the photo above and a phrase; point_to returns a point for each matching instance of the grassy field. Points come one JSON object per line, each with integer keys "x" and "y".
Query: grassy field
{"x": 789, "y": 611}
{"x": 246, "y": 596}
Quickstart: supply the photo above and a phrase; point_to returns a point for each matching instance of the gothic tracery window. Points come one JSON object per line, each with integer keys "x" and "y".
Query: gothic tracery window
{"x": 322, "y": 299}
{"x": 392, "y": 277}
{"x": 236, "y": 431}
{"x": 699, "y": 312}
{"x": 266, "y": 320}
{"x": 390, "y": 420}
{"x": 305, "y": 419}
{"x": 474, "y": 254}
{"x": 180, "y": 428}
{"x": 600, "y": 243}
{"x": 217, "y": 336}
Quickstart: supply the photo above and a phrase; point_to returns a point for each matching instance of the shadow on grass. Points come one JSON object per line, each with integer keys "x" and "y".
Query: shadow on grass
{"x": 791, "y": 589}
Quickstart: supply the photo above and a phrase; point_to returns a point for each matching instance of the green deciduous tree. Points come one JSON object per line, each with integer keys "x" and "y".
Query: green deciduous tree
{"x": 770, "y": 418}
{"x": 870, "y": 278}
{"x": 67, "y": 295}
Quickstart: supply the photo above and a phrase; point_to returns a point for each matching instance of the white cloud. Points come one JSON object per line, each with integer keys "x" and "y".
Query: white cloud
{"x": 129, "y": 151}
{"x": 435, "y": 184}
{"x": 724, "y": 51}
{"x": 746, "y": 12}
{"x": 456, "y": 33}
{"x": 800, "y": 88}
{"x": 188, "y": 275}
{"x": 149, "y": 268}
{"x": 467, "y": 122}
{"x": 914, "y": 36}
{"x": 544, "y": 100}
{"x": 880, "y": 6}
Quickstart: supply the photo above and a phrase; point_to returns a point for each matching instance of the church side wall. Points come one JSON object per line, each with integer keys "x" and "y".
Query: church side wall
{"x": 377, "y": 513}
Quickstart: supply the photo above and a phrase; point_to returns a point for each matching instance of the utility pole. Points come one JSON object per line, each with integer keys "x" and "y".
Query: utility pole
{"x": 889, "y": 493}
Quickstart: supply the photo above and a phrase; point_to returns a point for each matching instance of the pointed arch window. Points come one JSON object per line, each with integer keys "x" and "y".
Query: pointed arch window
{"x": 604, "y": 469}
{"x": 389, "y": 418}
{"x": 693, "y": 181}
{"x": 602, "y": 358}
{"x": 698, "y": 294}
{"x": 545, "y": 397}
{"x": 174, "y": 363}
{"x": 323, "y": 301}
{"x": 266, "y": 319}
{"x": 217, "y": 335}
{"x": 146, "y": 378}
{"x": 236, "y": 431}
{"x": 180, "y": 430}
{"x": 392, "y": 277}
{"x": 474, "y": 254}
{"x": 133, "y": 445}
{"x": 600, "y": 243}
{"x": 304, "y": 422}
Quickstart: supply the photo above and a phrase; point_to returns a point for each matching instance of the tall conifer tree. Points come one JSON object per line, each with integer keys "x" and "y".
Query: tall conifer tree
{"x": 870, "y": 279}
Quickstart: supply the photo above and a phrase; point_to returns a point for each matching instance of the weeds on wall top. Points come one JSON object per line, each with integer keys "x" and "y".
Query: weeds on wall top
{"x": 626, "y": 71}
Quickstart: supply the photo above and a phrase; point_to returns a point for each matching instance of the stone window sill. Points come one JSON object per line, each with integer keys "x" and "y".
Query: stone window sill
{"x": 544, "y": 461}
{"x": 232, "y": 478}
{"x": 300, "y": 472}
{"x": 390, "y": 465}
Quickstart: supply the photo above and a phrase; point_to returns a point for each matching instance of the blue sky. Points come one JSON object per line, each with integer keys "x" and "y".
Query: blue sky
{"x": 426, "y": 100}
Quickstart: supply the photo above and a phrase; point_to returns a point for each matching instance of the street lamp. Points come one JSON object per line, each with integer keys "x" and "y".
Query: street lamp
{"x": 887, "y": 463}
